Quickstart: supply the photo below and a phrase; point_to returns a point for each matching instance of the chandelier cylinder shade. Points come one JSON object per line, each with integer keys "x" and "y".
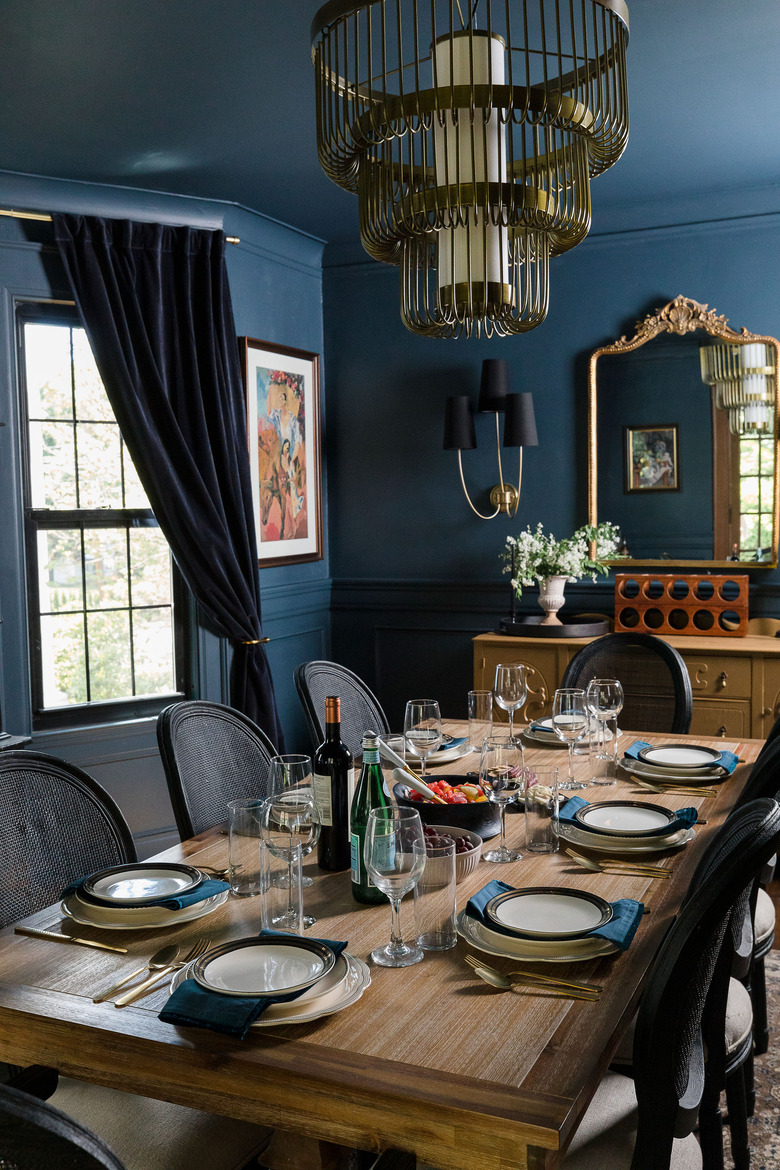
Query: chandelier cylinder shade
{"x": 459, "y": 432}
{"x": 470, "y": 130}
{"x": 742, "y": 378}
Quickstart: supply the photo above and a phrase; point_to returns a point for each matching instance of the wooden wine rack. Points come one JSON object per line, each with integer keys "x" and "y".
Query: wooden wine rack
{"x": 682, "y": 603}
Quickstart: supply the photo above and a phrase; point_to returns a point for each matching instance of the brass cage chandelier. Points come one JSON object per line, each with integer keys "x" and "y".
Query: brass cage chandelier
{"x": 470, "y": 130}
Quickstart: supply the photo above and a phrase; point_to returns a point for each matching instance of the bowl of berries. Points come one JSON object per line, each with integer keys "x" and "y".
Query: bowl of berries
{"x": 465, "y": 805}
{"x": 468, "y": 846}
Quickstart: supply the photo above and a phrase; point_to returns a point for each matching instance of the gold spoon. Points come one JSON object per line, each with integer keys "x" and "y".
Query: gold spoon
{"x": 626, "y": 868}
{"x": 670, "y": 790}
{"x": 161, "y": 958}
{"x": 504, "y": 983}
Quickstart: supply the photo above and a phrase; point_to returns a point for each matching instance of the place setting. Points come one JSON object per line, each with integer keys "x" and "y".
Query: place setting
{"x": 547, "y": 924}
{"x": 625, "y": 826}
{"x": 143, "y": 896}
{"x": 678, "y": 766}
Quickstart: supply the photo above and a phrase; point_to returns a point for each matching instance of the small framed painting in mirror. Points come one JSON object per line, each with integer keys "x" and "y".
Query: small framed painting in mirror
{"x": 652, "y": 460}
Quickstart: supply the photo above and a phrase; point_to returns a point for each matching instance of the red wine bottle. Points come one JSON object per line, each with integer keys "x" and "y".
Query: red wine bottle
{"x": 332, "y": 771}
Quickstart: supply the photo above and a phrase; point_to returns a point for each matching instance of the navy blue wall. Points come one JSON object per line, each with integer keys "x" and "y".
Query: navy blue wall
{"x": 415, "y": 573}
{"x": 275, "y": 278}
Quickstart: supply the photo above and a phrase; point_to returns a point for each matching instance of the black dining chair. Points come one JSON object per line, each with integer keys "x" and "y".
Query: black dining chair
{"x": 361, "y": 711}
{"x": 679, "y": 1039}
{"x": 36, "y": 1136}
{"x": 211, "y": 754}
{"x": 58, "y": 824}
{"x": 656, "y": 684}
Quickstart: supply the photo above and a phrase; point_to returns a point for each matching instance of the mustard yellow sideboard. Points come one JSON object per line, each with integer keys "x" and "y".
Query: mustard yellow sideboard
{"x": 735, "y": 681}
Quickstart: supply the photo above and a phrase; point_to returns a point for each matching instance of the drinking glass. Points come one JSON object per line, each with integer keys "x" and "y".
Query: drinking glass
{"x": 422, "y": 728}
{"x": 501, "y": 778}
{"x": 480, "y": 717}
{"x": 571, "y": 722}
{"x": 245, "y": 846}
{"x": 293, "y": 811}
{"x": 541, "y": 808}
{"x": 394, "y": 853}
{"x": 510, "y": 690}
{"x": 604, "y": 697}
{"x": 285, "y": 774}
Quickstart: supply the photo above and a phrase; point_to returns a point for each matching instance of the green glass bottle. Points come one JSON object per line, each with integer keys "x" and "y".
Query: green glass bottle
{"x": 369, "y": 794}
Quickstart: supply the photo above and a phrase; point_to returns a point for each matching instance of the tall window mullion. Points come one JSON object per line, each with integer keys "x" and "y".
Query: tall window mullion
{"x": 100, "y": 598}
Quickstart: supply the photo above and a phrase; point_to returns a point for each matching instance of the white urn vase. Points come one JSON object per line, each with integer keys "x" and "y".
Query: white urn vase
{"x": 551, "y": 599}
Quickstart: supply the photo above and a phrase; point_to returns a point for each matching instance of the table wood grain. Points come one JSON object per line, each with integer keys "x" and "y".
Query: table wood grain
{"x": 431, "y": 1059}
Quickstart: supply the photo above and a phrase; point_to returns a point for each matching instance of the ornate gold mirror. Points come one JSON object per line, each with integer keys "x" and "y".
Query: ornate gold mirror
{"x": 682, "y": 440}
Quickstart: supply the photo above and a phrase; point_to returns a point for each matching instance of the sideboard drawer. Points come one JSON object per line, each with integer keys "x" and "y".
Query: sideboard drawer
{"x": 729, "y": 720}
{"x": 719, "y": 676}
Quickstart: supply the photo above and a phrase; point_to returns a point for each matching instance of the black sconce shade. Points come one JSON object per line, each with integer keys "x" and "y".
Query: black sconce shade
{"x": 494, "y": 385}
{"x": 520, "y": 422}
{"x": 459, "y": 433}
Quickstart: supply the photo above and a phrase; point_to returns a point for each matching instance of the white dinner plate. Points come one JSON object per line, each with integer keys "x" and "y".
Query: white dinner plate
{"x": 680, "y": 757}
{"x": 141, "y": 883}
{"x": 621, "y": 818}
{"x": 442, "y": 756}
{"x": 263, "y": 966}
{"x": 667, "y": 776}
{"x": 542, "y": 733}
{"x": 548, "y": 912}
{"x": 605, "y": 844}
{"x": 574, "y": 950}
{"x": 143, "y": 918}
{"x": 342, "y": 987}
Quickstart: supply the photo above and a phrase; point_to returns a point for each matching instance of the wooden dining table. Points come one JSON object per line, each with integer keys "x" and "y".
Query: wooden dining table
{"x": 430, "y": 1060}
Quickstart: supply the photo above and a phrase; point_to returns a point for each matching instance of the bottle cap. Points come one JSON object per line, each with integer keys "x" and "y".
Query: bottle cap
{"x": 370, "y": 740}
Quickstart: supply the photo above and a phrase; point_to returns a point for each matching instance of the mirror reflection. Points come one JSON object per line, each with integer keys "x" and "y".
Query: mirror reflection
{"x": 682, "y": 425}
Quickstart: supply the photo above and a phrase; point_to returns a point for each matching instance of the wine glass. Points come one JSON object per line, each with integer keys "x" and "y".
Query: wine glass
{"x": 422, "y": 728}
{"x": 290, "y": 784}
{"x": 501, "y": 778}
{"x": 604, "y": 697}
{"x": 510, "y": 690}
{"x": 394, "y": 853}
{"x": 571, "y": 722}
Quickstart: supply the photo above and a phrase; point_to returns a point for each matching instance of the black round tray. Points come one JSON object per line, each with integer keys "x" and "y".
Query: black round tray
{"x": 530, "y": 626}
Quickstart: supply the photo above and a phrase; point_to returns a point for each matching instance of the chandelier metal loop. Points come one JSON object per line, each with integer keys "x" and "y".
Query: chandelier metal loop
{"x": 470, "y": 131}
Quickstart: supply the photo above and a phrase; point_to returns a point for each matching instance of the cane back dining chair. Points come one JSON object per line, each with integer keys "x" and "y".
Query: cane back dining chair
{"x": 211, "y": 754}
{"x": 360, "y": 709}
{"x": 58, "y": 824}
{"x": 35, "y": 1136}
{"x": 656, "y": 686}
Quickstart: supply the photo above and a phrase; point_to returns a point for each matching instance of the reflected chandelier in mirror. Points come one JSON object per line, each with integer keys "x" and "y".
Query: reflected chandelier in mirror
{"x": 682, "y": 440}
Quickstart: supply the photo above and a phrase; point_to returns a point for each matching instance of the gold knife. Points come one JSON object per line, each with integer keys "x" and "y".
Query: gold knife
{"x": 66, "y": 938}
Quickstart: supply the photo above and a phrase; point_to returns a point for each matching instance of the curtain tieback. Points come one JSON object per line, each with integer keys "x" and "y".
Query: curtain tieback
{"x": 255, "y": 642}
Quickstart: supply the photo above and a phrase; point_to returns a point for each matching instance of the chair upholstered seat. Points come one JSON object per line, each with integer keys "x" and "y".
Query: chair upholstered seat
{"x": 739, "y": 1022}
{"x": 606, "y": 1136}
{"x": 765, "y": 918}
{"x": 154, "y": 1135}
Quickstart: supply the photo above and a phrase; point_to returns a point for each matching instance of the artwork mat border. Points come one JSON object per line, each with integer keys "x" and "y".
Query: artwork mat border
{"x": 628, "y": 460}
{"x": 265, "y": 354}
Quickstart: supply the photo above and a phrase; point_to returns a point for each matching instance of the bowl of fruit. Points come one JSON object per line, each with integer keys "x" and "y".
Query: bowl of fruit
{"x": 465, "y": 805}
{"x": 468, "y": 846}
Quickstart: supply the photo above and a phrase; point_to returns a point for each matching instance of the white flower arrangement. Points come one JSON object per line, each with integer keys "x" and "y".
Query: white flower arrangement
{"x": 534, "y": 556}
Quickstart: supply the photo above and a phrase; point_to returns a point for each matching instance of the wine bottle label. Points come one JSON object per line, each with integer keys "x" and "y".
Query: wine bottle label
{"x": 323, "y": 797}
{"x": 352, "y": 776}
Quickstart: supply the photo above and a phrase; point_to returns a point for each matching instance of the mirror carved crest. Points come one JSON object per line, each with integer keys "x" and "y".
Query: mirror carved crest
{"x": 662, "y": 396}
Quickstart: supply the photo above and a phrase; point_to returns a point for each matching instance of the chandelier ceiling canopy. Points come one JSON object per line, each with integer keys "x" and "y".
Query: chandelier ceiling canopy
{"x": 470, "y": 130}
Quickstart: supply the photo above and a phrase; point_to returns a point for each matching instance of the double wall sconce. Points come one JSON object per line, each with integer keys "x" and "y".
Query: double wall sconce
{"x": 519, "y": 431}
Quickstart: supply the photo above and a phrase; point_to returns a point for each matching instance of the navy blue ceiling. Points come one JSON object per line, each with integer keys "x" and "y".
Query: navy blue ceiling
{"x": 215, "y": 98}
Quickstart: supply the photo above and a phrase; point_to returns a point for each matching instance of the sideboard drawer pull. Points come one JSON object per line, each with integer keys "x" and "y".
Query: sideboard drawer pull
{"x": 721, "y": 731}
{"x": 723, "y": 678}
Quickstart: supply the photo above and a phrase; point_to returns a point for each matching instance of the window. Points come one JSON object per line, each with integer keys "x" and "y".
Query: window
{"x": 104, "y": 643}
{"x": 756, "y": 495}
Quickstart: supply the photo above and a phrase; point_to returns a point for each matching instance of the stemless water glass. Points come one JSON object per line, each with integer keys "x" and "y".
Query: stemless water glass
{"x": 604, "y": 697}
{"x": 571, "y": 722}
{"x": 422, "y": 728}
{"x": 394, "y": 853}
{"x": 501, "y": 779}
{"x": 510, "y": 690}
{"x": 290, "y": 783}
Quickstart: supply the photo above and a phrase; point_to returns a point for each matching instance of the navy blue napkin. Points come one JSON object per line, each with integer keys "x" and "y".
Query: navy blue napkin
{"x": 727, "y": 760}
{"x": 684, "y": 819}
{"x": 207, "y": 889}
{"x": 192, "y": 1006}
{"x": 620, "y": 930}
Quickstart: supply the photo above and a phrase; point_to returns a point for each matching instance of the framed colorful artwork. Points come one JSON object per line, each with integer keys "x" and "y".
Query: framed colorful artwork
{"x": 652, "y": 460}
{"x": 283, "y": 426}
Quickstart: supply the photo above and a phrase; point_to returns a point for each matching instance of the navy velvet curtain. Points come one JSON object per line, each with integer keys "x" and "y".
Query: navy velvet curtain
{"x": 156, "y": 306}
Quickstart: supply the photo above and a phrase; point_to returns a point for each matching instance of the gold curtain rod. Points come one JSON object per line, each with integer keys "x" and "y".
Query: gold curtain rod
{"x": 47, "y": 219}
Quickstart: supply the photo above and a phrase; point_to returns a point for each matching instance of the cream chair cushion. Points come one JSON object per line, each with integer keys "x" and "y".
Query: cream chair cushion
{"x": 764, "y": 917}
{"x": 607, "y": 1133}
{"x": 154, "y": 1135}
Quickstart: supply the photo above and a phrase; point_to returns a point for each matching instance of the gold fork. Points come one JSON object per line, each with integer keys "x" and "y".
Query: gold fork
{"x": 198, "y": 948}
